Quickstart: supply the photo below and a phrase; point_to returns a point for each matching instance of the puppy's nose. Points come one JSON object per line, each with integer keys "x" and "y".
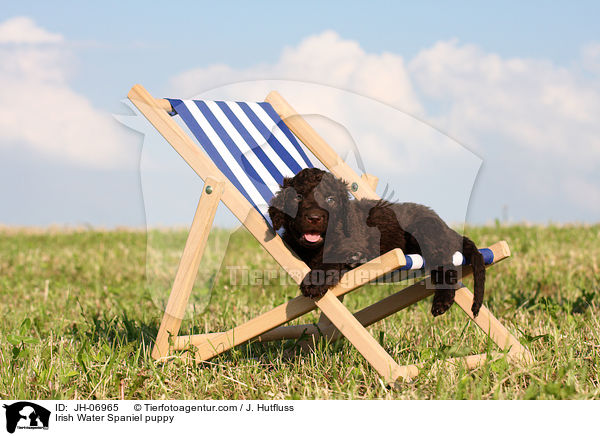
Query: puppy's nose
{"x": 314, "y": 219}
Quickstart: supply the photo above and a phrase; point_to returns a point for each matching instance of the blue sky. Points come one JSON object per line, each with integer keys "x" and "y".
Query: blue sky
{"x": 459, "y": 65}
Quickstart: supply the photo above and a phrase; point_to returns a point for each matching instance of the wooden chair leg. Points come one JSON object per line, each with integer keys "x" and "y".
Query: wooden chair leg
{"x": 210, "y": 346}
{"x": 323, "y": 320}
{"x": 492, "y": 327}
{"x": 366, "y": 345}
{"x": 188, "y": 265}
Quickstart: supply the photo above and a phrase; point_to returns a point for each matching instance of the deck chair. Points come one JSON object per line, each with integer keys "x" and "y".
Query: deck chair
{"x": 242, "y": 153}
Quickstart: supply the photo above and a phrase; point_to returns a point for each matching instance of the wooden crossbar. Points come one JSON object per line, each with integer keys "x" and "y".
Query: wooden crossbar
{"x": 383, "y": 308}
{"x": 215, "y": 344}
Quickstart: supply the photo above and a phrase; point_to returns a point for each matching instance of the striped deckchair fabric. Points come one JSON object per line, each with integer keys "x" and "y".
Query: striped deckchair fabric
{"x": 255, "y": 149}
{"x": 243, "y": 151}
{"x": 249, "y": 143}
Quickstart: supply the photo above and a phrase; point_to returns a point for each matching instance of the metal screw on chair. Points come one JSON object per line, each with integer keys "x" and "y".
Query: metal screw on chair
{"x": 208, "y": 189}
{"x": 354, "y": 187}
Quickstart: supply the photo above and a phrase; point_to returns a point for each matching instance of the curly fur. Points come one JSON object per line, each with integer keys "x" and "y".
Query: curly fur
{"x": 332, "y": 234}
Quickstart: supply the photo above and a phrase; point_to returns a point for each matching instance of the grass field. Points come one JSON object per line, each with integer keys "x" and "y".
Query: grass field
{"x": 79, "y": 311}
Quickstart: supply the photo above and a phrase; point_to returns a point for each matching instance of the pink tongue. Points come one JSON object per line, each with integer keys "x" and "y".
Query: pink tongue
{"x": 312, "y": 237}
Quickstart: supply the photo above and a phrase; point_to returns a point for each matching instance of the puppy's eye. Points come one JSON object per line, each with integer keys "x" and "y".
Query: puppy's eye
{"x": 298, "y": 197}
{"x": 330, "y": 199}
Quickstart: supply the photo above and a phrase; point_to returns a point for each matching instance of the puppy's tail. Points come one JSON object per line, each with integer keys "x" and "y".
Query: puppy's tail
{"x": 473, "y": 255}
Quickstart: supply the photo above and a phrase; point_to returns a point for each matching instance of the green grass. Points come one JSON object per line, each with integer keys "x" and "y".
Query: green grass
{"x": 79, "y": 311}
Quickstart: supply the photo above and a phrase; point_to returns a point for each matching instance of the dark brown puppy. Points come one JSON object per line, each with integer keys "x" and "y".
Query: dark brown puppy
{"x": 314, "y": 209}
{"x": 333, "y": 234}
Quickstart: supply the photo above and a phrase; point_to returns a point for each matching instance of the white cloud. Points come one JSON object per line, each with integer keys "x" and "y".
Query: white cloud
{"x": 40, "y": 111}
{"x": 532, "y": 102}
{"x": 539, "y": 119}
{"x": 23, "y": 30}
{"x": 534, "y": 123}
{"x": 326, "y": 59}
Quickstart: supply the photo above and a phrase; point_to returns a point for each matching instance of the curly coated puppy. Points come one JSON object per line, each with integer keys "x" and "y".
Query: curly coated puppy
{"x": 314, "y": 207}
{"x": 332, "y": 234}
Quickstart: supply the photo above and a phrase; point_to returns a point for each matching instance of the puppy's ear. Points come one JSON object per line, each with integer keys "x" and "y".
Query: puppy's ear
{"x": 275, "y": 210}
{"x": 277, "y": 205}
{"x": 277, "y": 217}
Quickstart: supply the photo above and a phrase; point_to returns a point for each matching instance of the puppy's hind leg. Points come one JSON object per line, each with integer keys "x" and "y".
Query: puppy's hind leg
{"x": 475, "y": 258}
{"x": 438, "y": 243}
{"x": 445, "y": 289}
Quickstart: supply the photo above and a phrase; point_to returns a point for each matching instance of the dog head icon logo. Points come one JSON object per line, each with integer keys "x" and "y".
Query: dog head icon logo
{"x": 24, "y": 414}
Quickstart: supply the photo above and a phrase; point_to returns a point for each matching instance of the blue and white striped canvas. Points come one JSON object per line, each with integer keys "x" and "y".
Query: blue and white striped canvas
{"x": 249, "y": 143}
{"x": 255, "y": 150}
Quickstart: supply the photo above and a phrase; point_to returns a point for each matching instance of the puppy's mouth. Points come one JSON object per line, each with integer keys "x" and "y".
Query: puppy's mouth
{"x": 312, "y": 238}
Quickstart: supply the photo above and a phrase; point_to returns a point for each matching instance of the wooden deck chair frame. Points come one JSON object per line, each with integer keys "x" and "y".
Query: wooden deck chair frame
{"x": 336, "y": 320}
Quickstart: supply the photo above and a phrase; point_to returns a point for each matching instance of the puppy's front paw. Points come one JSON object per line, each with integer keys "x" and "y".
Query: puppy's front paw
{"x": 313, "y": 290}
{"x": 357, "y": 258}
{"x": 317, "y": 282}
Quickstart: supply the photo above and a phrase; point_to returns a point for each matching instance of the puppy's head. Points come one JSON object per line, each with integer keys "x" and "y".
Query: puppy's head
{"x": 308, "y": 204}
